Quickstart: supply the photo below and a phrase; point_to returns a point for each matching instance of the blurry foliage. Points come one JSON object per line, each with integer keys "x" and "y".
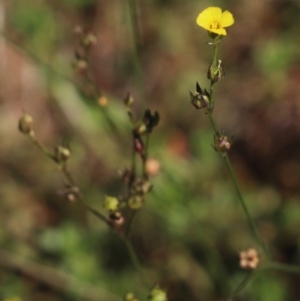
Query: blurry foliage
{"x": 190, "y": 232}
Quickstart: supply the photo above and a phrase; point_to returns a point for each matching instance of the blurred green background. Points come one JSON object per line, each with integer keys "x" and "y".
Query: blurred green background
{"x": 192, "y": 228}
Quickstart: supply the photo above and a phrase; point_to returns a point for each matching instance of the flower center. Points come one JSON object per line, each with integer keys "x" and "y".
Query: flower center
{"x": 214, "y": 25}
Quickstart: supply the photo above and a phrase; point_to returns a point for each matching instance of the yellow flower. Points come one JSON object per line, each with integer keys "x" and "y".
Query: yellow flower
{"x": 213, "y": 20}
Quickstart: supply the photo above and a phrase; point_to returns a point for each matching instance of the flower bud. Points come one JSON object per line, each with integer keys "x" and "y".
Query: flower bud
{"x": 111, "y": 203}
{"x": 157, "y": 294}
{"x": 81, "y": 66}
{"x": 135, "y": 202}
{"x": 130, "y": 297}
{"x": 89, "y": 40}
{"x": 141, "y": 129}
{"x": 128, "y": 101}
{"x": 62, "y": 154}
{"x": 216, "y": 73}
{"x": 26, "y": 124}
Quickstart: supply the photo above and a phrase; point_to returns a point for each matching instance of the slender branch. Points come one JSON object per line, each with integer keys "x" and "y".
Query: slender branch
{"x": 212, "y": 121}
{"x": 39, "y": 145}
{"x": 136, "y": 41}
{"x": 284, "y": 267}
{"x": 130, "y": 223}
{"x": 96, "y": 213}
{"x": 229, "y": 166}
{"x": 136, "y": 263}
{"x": 272, "y": 266}
{"x": 243, "y": 284}
{"x": 212, "y": 83}
{"x": 244, "y": 206}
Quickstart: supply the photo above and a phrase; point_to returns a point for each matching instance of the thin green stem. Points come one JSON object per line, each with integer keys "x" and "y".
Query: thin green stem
{"x": 212, "y": 83}
{"x": 135, "y": 26}
{"x": 96, "y": 213}
{"x": 244, "y": 206}
{"x": 215, "y": 55}
{"x": 243, "y": 284}
{"x": 136, "y": 42}
{"x": 212, "y": 121}
{"x": 136, "y": 263}
{"x": 274, "y": 266}
{"x": 240, "y": 196}
{"x": 68, "y": 175}
{"x": 130, "y": 223}
{"x": 228, "y": 163}
{"x": 41, "y": 147}
{"x": 284, "y": 267}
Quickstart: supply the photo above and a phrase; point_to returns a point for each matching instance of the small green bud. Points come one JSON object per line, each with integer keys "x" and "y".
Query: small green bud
{"x": 157, "y": 294}
{"x": 135, "y": 202}
{"x": 26, "y": 124}
{"x": 89, "y": 40}
{"x": 142, "y": 129}
{"x": 128, "y": 101}
{"x": 62, "y": 154}
{"x": 130, "y": 297}
{"x": 81, "y": 66}
{"x": 111, "y": 203}
{"x": 216, "y": 73}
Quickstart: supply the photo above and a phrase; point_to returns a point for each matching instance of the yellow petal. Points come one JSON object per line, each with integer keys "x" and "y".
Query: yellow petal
{"x": 220, "y": 31}
{"x": 226, "y": 19}
{"x": 215, "y": 13}
{"x": 208, "y": 16}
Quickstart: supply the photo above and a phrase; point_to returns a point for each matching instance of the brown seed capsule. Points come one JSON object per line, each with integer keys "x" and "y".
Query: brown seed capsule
{"x": 116, "y": 219}
{"x": 222, "y": 143}
{"x": 70, "y": 193}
